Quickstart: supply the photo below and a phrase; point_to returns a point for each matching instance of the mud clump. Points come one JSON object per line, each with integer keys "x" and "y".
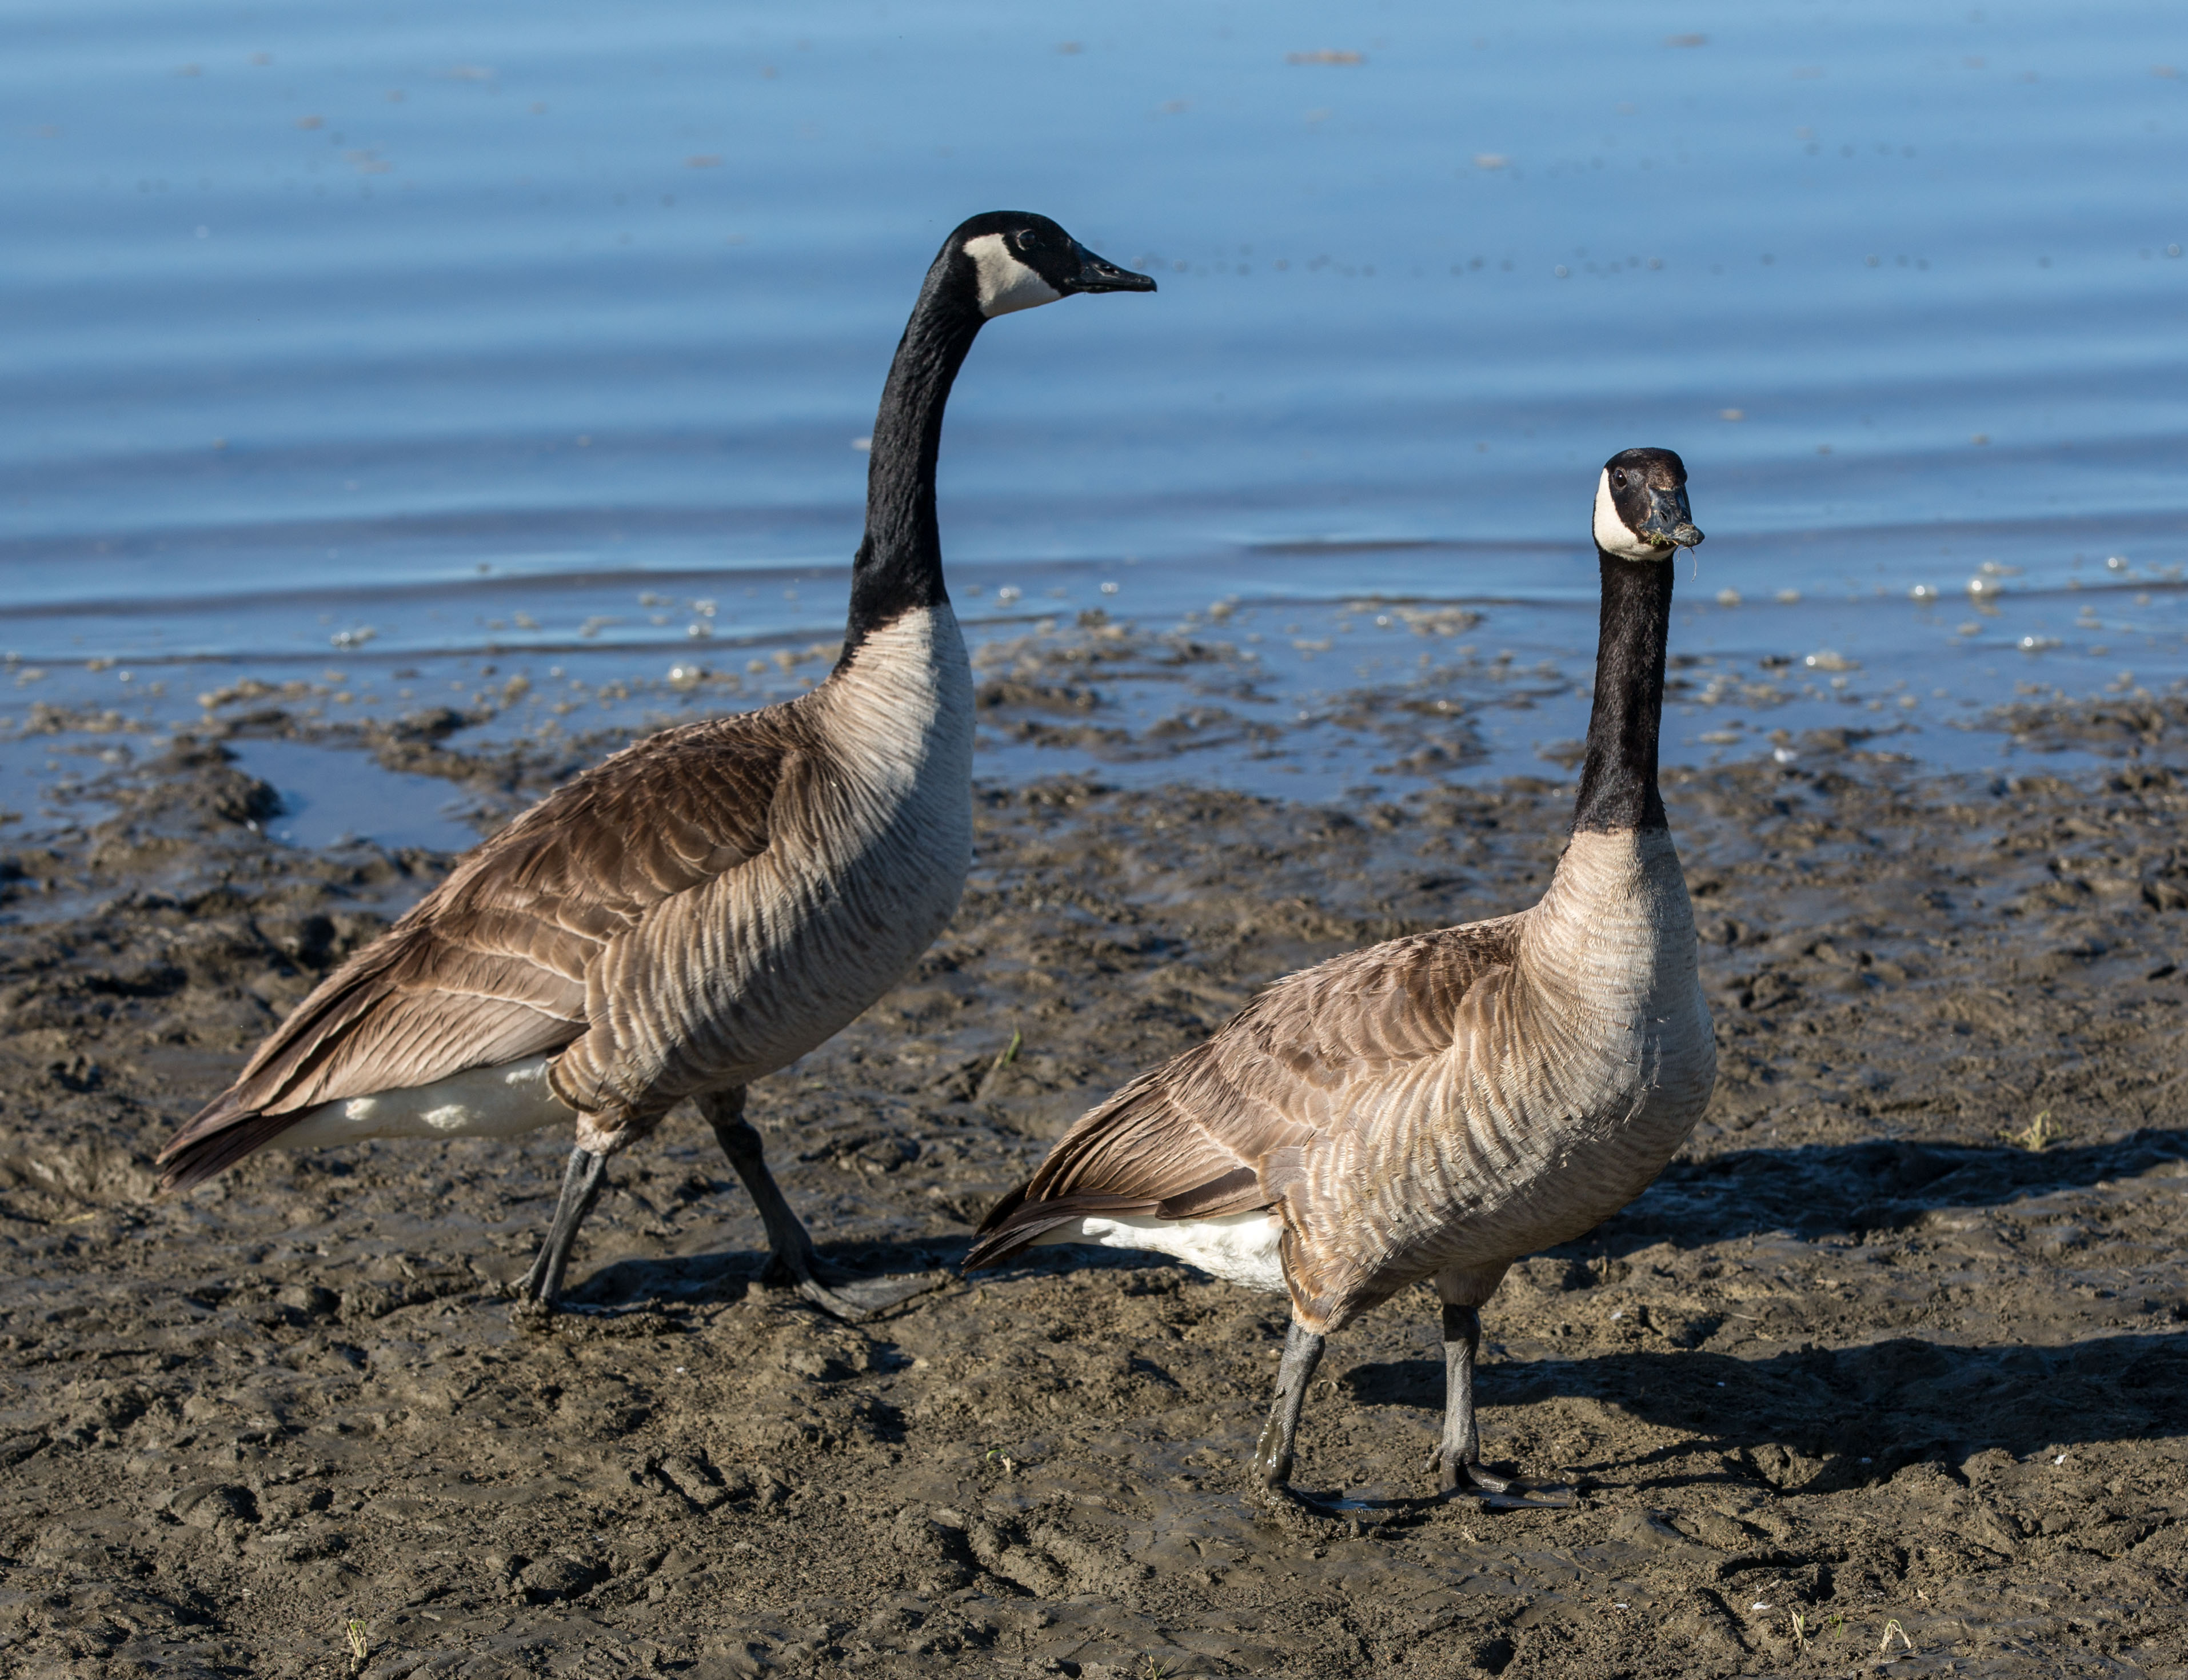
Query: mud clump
{"x": 1895, "y": 1347}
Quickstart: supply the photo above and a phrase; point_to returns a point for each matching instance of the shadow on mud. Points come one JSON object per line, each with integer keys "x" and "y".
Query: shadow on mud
{"x": 1817, "y": 1419}
{"x": 1807, "y": 1192}
{"x": 694, "y": 1279}
{"x": 1819, "y": 1189}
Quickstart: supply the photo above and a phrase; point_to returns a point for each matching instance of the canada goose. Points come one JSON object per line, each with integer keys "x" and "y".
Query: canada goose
{"x": 1440, "y": 1106}
{"x": 706, "y": 907}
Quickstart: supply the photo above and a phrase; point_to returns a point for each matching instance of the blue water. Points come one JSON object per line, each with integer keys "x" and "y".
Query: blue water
{"x": 345, "y": 342}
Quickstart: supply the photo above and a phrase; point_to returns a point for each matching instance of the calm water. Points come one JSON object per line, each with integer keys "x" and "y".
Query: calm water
{"x": 371, "y": 348}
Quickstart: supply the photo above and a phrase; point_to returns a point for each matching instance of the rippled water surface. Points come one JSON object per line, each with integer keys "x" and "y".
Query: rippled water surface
{"x": 399, "y": 351}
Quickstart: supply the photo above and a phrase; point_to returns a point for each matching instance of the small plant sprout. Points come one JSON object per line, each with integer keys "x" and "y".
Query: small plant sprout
{"x": 1800, "y": 1632}
{"x": 1151, "y": 1670}
{"x": 1893, "y": 1630}
{"x": 1004, "y": 1057}
{"x": 360, "y": 1647}
{"x": 2033, "y": 1136}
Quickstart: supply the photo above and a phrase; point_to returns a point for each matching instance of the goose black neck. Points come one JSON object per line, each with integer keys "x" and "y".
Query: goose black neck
{"x": 1618, "y": 780}
{"x": 898, "y": 567}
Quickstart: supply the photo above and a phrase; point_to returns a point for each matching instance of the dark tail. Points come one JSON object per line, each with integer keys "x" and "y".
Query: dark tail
{"x": 1014, "y": 1222}
{"x": 998, "y": 1240}
{"x": 216, "y": 1141}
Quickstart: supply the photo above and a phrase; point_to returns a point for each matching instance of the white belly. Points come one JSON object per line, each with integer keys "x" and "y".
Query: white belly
{"x": 1237, "y": 1247}
{"x": 502, "y": 1102}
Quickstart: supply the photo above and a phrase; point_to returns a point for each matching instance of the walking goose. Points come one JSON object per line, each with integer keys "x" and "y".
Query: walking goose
{"x": 707, "y": 905}
{"x": 1440, "y": 1106}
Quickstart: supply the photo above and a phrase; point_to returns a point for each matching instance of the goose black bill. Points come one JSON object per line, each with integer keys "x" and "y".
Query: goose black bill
{"x": 1670, "y": 521}
{"x": 1098, "y": 274}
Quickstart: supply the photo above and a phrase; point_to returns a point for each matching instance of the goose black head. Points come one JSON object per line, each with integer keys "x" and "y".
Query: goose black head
{"x": 1641, "y": 506}
{"x": 1016, "y": 260}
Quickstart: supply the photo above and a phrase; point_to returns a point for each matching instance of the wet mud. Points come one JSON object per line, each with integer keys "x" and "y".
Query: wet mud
{"x": 1887, "y": 1369}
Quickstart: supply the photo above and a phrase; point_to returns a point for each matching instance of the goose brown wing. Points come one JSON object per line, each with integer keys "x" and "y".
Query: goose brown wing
{"x": 1223, "y": 1128}
{"x": 490, "y": 967}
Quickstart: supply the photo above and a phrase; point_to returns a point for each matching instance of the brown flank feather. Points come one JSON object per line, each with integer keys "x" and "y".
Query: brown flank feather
{"x": 1226, "y": 1126}
{"x": 492, "y": 965}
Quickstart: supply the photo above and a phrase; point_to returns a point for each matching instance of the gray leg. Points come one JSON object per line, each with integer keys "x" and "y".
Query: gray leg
{"x": 581, "y": 1187}
{"x": 853, "y": 1299}
{"x": 1457, "y": 1460}
{"x": 1458, "y": 1454}
{"x": 1272, "y": 1455}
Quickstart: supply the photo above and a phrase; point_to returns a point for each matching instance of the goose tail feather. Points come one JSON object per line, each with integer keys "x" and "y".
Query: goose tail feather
{"x": 1014, "y": 1223}
{"x": 223, "y": 1134}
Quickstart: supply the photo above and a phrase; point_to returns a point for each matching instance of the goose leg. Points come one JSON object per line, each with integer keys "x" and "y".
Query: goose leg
{"x": 582, "y": 1180}
{"x": 853, "y": 1299}
{"x": 1457, "y": 1461}
{"x": 1273, "y": 1454}
{"x": 1458, "y": 1454}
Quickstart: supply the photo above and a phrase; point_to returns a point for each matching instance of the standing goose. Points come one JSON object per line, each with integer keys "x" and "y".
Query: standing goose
{"x": 1440, "y": 1106}
{"x": 707, "y": 905}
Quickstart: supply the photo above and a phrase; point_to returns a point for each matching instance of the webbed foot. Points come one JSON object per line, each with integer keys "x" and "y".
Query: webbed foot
{"x": 850, "y": 1296}
{"x": 1496, "y": 1490}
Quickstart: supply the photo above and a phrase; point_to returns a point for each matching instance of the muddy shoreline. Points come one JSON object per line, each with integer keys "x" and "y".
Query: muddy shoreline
{"x": 1895, "y": 1345}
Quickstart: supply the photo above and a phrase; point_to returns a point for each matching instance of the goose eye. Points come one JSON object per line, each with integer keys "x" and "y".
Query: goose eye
{"x": 1029, "y": 240}
{"x": 1619, "y": 478}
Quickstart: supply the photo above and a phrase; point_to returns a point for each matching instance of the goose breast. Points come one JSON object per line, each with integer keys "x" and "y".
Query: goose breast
{"x": 872, "y": 837}
{"x": 1575, "y": 1072}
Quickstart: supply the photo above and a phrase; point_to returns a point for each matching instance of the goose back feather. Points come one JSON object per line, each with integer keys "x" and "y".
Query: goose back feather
{"x": 1401, "y": 1108}
{"x": 699, "y": 910}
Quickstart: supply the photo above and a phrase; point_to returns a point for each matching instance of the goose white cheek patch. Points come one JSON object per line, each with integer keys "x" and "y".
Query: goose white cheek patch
{"x": 1611, "y": 535}
{"x": 1007, "y": 284}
